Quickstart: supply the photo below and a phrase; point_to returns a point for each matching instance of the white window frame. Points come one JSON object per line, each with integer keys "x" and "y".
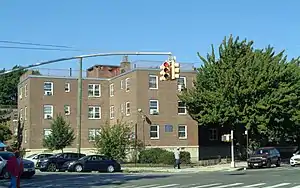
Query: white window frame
{"x": 181, "y": 107}
{"x": 111, "y": 90}
{"x": 93, "y": 90}
{"x": 185, "y": 132}
{"x": 153, "y": 111}
{"x": 67, "y": 87}
{"x": 127, "y": 109}
{"x": 180, "y": 87}
{"x": 127, "y": 84}
{"x": 157, "y": 131}
{"x": 94, "y": 112}
{"x": 25, "y": 113}
{"x": 50, "y": 92}
{"x": 26, "y": 90}
{"x": 122, "y": 84}
{"x": 21, "y": 114}
{"x": 112, "y": 112}
{"x": 95, "y": 132}
{"x": 21, "y": 93}
{"x": 47, "y": 130}
{"x": 213, "y": 134}
{"x": 25, "y": 136}
{"x": 156, "y": 81}
{"x": 122, "y": 108}
{"x": 67, "y": 110}
{"x": 48, "y": 115}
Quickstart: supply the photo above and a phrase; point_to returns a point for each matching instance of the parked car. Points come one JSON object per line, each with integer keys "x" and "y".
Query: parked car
{"x": 295, "y": 159}
{"x": 265, "y": 156}
{"x": 29, "y": 169}
{"x": 90, "y": 163}
{"x": 37, "y": 157}
{"x": 56, "y": 161}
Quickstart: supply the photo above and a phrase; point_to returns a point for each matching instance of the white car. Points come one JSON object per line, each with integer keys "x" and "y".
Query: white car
{"x": 295, "y": 160}
{"x": 37, "y": 157}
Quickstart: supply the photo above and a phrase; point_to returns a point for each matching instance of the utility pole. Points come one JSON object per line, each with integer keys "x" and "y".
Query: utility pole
{"x": 79, "y": 106}
{"x": 232, "y": 150}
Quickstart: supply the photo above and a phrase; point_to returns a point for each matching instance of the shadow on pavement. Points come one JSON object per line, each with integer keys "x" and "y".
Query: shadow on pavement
{"x": 83, "y": 180}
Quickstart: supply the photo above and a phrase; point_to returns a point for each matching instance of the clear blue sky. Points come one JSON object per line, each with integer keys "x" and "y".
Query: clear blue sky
{"x": 182, "y": 27}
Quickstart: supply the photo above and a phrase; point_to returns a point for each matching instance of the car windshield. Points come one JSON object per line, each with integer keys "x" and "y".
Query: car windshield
{"x": 30, "y": 156}
{"x": 262, "y": 151}
{"x": 6, "y": 156}
{"x": 83, "y": 158}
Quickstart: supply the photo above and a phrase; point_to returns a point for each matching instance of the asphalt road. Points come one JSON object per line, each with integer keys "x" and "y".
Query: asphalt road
{"x": 260, "y": 178}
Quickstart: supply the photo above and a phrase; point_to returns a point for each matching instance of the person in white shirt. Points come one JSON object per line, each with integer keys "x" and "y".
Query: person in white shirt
{"x": 177, "y": 158}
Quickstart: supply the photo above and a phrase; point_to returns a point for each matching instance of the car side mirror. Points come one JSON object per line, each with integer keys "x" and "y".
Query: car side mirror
{"x": 294, "y": 154}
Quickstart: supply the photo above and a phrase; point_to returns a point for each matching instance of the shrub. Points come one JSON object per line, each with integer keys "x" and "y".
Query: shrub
{"x": 161, "y": 156}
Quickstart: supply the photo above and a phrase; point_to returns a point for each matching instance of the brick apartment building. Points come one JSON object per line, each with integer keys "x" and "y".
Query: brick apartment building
{"x": 127, "y": 92}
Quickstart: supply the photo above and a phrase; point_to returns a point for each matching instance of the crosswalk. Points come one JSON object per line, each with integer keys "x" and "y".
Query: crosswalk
{"x": 220, "y": 185}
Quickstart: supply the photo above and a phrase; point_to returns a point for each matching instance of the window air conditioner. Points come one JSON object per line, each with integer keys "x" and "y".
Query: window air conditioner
{"x": 48, "y": 117}
{"x": 153, "y": 112}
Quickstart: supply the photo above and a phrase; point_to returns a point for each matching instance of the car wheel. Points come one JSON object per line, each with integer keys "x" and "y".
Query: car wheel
{"x": 110, "y": 168}
{"x": 6, "y": 174}
{"x": 292, "y": 165}
{"x": 51, "y": 168}
{"x": 78, "y": 168}
{"x": 269, "y": 164}
{"x": 278, "y": 163}
{"x": 250, "y": 166}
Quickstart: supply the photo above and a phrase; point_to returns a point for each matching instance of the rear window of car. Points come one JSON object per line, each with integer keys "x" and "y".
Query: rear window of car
{"x": 6, "y": 156}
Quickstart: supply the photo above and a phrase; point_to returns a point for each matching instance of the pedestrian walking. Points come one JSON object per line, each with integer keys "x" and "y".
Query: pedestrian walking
{"x": 21, "y": 168}
{"x": 177, "y": 158}
{"x": 13, "y": 170}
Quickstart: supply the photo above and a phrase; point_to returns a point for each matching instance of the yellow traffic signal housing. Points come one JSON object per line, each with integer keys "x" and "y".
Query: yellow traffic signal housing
{"x": 175, "y": 70}
{"x": 165, "y": 71}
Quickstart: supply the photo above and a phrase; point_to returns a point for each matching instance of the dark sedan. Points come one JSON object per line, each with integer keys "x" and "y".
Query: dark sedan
{"x": 90, "y": 163}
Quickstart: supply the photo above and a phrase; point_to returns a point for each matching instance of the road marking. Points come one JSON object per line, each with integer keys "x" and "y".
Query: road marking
{"x": 163, "y": 186}
{"x": 297, "y": 186}
{"x": 209, "y": 185}
{"x": 278, "y": 185}
{"x": 146, "y": 186}
{"x": 228, "y": 185}
{"x": 254, "y": 185}
{"x": 51, "y": 181}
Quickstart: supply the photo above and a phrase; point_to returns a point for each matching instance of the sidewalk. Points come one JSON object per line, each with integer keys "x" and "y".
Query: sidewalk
{"x": 213, "y": 168}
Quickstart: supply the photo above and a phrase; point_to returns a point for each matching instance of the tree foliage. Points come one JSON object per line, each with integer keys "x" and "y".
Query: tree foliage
{"x": 5, "y": 132}
{"x": 62, "y": 134}
{"x": 244, "y": 87}
{"x": 114, "y": 140}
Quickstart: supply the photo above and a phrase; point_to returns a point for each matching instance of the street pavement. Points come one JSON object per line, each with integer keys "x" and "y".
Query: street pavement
{"x": 283, "y": 177}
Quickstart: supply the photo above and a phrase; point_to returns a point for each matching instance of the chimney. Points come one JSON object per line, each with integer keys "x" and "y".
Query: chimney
{"x": 125, "y": 64}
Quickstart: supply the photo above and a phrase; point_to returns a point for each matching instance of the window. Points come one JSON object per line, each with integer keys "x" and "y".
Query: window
{"x": 67, "y": 110}
{"x": 153, "y": 107}
{"x": 21, "y": 114}
{"x": 111, "y": 90}
{"x": 154, "y": 132}
{"x": 168, "y": 128}
{"x": 112, "y": 112}
{"x": 153, "y": 82}
{"x": 122, "y": 84}
{"x": 25, "y": 113}
{"x": 26, "y": 90}
{"x": 48, "y": 88}
{"x": 94, "y": 90}
{"x": 67, "y": 87}
{"x": 47, "y": 132}
{"x": 25, "y": 136}
{"x": 181, "y": 108}
{"x": 182, "y": 131}
{"x": 127, "y": 108}
{"x": 181, "y": 83}
{"x": 127, "y": 84}
{"x": 21, "y": 93}
{"x": 93, "y": 133}
{"x": 213, "y": 134}
{"x": 122, "y": 108}
{"x": 48, "y": 111}
{"x": 94, "y": 112}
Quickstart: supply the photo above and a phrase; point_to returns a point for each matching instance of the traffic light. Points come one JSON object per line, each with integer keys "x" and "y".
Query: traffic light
{"x": 165, "y": 73}
{"x": 175, "y": 69}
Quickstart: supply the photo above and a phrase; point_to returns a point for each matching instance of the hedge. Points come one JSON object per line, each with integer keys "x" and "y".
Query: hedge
{"x": 161, "y": 156}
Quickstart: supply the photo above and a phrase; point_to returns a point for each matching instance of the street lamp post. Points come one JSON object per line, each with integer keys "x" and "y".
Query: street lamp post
{"x": 79, "y": 106}
{"x": 247, "y": 142}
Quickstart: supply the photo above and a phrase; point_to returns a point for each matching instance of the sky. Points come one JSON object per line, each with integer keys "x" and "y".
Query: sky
{"x": 181, "y": 27}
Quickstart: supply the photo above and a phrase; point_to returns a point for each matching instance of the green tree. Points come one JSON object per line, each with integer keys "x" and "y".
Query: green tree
{"x": 248, "y": 88}
{"x": 114, "y": 140}
{"x": 62, "y": 135}
{"x": 5, "y": 132}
